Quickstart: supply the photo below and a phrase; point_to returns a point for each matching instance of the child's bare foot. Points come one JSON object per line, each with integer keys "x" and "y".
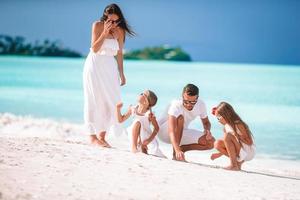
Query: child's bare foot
{"x": 232, "y": 167}
{"x": 215, "y": 156}
{"x": 240, "y": 164}
{"x": 134, "y": 150}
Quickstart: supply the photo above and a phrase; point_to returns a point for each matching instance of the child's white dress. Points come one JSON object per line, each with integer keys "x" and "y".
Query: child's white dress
{"x": 247, "y": 152}
{"x": 153, "y": 146}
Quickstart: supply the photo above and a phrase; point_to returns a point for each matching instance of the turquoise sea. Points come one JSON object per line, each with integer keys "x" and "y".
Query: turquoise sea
{"x": 267, "y": 97}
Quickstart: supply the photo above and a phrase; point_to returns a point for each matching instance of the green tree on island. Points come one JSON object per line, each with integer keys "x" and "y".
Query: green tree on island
{"x": 17, "y": 46}
{"x": 158, "y": 53}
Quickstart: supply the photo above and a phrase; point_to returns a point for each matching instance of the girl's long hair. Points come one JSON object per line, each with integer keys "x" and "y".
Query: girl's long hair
{"x": 231, "y": 117}
{"x": 115, "y": 9}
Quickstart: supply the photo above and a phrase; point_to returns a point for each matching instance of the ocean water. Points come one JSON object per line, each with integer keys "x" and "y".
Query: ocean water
{"x": 267, "y": 97}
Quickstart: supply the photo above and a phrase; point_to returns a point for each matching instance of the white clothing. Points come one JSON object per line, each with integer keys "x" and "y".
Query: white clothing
{"x": 101, "y": 88}
{"x": 247, "y": 152}
{"x": 145, "y": 132}
{"x": 176, "y": 108}
{"x": 189, "y": 136}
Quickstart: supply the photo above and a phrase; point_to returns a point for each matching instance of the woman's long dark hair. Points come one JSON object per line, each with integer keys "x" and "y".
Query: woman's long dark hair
{"x": 115, "y": 9}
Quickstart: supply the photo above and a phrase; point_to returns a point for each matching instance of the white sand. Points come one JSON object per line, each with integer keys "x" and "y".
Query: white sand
{"x": 60, "y": 164}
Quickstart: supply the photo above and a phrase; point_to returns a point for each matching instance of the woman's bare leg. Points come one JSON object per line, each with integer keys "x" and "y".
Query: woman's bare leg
{"x": 95, "y": 141}
{"x": 102, "y": 139}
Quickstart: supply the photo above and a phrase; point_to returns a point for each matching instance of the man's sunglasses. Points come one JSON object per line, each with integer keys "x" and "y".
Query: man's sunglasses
{"x": 189, "y": 102}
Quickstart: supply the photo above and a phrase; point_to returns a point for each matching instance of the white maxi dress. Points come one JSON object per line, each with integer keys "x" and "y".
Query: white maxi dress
{"x": 101, "y": 87}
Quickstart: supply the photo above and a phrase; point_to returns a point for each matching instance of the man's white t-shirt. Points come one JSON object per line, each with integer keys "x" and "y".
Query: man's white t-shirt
{"x": 176, "y": 108}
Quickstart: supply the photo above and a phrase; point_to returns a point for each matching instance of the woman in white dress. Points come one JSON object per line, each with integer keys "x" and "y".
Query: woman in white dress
{"x": 103, "y": 74}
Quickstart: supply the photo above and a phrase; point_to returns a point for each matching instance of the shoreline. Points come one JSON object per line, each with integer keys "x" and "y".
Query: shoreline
{"x": 205, "y": 62}
{"x": 15, "y": 127}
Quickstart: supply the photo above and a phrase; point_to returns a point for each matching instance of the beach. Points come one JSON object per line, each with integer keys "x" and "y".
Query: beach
{"x": 61, "y": 164}
{"x": 67, "y": 76}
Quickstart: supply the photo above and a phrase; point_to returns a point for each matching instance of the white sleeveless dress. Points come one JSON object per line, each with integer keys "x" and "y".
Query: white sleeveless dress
{"x": 153, "y": 146}
{"x": 101, "y": 87}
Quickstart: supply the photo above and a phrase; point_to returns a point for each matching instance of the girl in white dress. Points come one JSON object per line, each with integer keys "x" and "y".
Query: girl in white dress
{"x": 141, "y": 137}
{"x": 238, "y": 142}
{"x": 103, "y": 74}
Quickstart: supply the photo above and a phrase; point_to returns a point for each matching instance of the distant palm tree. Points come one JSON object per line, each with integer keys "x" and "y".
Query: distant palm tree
{"x": 16, "y": 45}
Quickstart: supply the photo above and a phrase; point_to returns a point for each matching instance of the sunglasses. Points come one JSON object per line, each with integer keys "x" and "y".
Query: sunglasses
{"x": 115, "y": 21}
{"x": 189, "y": 102}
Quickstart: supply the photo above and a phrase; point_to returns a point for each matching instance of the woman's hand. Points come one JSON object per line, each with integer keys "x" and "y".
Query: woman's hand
{"x": 122, "y": 79}
{"x": 107, "y": 27}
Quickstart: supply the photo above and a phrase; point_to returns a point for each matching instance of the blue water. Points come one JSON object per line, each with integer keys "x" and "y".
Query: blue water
{"x": 267, "y": 97}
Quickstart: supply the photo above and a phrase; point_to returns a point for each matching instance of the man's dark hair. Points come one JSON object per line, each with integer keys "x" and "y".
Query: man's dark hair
{"x": 191, "y": 90}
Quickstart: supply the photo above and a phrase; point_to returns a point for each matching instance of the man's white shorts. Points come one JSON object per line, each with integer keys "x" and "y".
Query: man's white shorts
{"x": 189, "y": 136}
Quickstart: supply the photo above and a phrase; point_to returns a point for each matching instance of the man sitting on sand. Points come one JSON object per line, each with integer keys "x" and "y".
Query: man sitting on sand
{"x": 174, "y": 124}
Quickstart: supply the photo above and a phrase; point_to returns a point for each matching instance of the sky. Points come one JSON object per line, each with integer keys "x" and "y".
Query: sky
{"x": 257, "y": 31}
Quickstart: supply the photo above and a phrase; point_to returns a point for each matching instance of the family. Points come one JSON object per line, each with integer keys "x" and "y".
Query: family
{"x": 103, "y": 76}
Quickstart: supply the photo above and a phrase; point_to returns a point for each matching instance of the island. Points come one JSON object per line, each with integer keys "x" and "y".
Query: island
{"x": 17, "y": 46}
{"x": 158, "y": 53}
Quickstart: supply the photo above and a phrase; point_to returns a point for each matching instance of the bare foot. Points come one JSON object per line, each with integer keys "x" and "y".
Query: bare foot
{"x": 231, "y": 167}
{"x": 98, "y": 143}
{"x": 105, "y": 143}
{"x": 215, "y": 156}
{"x": 134, "y": 150}
{"x": 240, "y": 164}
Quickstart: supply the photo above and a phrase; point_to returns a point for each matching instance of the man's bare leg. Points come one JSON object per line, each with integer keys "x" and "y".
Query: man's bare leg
{"x": 202, "y": 144}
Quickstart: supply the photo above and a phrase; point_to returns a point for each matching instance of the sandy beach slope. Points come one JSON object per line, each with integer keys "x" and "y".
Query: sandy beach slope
{"x": 62, "y": 168}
